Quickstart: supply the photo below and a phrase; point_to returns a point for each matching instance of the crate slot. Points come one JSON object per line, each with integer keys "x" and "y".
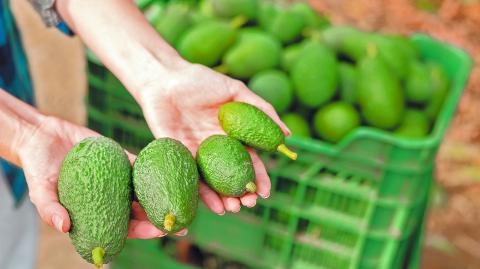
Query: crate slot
{"x": 306, "y": 257}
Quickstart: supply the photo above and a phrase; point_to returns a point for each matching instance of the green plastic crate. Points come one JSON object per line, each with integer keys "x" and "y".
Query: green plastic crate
{"x": 357, "y": 204}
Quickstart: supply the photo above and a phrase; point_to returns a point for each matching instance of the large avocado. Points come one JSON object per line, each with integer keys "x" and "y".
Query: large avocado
{"x": 165, "y": 180}
{"x": 94, "y": 186}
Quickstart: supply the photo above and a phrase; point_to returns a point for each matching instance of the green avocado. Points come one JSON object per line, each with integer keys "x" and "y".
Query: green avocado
{"x": 266, "y": 12}
{"x": 165, "y": 180}
{"x": 207, "y": 41}
{"x": 286, "y": 25}
{"x": 415, "y": 124}
{"x": 94, "y": 186}
{"x": 315, "y": 75}
{"x": 297, "y": 124}
{"x": 254, "y": 51}
{"x": 347, "y": 41}
{"x": 335, "y": 121}
{"x": 275, "y": 87}
{"x": 253, "y": 127}
{"x": 290, "y": 55}
{"x": 226, "y": 166}
{"x": 397, "y": 59}
{"x": 379, "y": 94}
{"x": 348, "y": 82}
{"x": 418, "y": 85}
{"x": 312, "y": 18}
{"x": 440, "y": 86}
{"x": 174, "y": 21}
{"x": 233, "y": 8}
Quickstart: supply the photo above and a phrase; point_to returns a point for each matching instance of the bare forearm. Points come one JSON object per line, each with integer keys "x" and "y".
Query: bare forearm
{"x": 18, "y": 120}
{"x": 122, "y": 38}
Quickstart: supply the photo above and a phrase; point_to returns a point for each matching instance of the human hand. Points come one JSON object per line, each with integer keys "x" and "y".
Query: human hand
{"x": 183, "y": 104}
{"x": 41, "y": 155}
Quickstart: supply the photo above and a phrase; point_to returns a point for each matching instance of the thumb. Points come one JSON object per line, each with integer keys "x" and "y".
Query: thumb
{"x": 45, "y": 199}
{"x": 249, "y": 97}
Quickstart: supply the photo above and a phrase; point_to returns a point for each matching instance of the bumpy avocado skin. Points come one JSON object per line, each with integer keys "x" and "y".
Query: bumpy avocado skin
{"x": 250, "y": 125}
{"x": 94, "y": 186}
{"x": 165, "y": 180}
{"x": 225, "y": 165}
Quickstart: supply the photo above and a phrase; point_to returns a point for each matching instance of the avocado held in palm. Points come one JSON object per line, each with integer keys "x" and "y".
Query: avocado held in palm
{"x": 315, "y": 75}
{"x": 206, "y": 42}
{"x": 94, "y": 186}
{"x": 253, "y": 127}
{"x": 165, "y": 180}
{"x": 254, "y": 51}
{"x": 275, "y": 87}
{"x": 226, "y": 166}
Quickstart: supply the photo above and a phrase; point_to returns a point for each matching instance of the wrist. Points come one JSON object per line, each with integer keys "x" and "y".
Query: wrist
{"x": 28, "y": 134}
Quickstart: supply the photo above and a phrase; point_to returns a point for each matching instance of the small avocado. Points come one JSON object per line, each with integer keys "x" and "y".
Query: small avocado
{"x": 233, "y": 8}
{"x": 253, "y": 127}
{"x": 335, "y": 121}
{"x": 290, "y": 55}
{"x": 254, "y": 51}
{"x": 226, "y": 166}
{"x": 440, "y": 86}
{"x": 392, "y": 53}
{"x": 266, "y": 12}
{"x": 315, "y": 75}
{"x": 207, "y": 41}
{"x": 275, "y": 87}
{"x": 415, "y": 124}
{"x": 174, "y": 21}
{"x": 313, "y": 20}
{"x": 286, "y": 25}
{"x": 94, "y": 185}
{"x": 297, "y": 124}
{"x": 418, "y": 85}
{"x": 348, "y": 82}
{"x": 381, "y": 100}
{"x": 165, "y": 180}
{"x": 347, "y": 41}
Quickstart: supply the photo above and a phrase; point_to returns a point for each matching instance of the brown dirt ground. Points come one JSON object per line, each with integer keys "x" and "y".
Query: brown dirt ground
{"x": 453, "y": 239}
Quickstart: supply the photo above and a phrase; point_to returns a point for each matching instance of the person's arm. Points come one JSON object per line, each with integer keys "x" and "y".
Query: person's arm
{"x": 118, "y": 33}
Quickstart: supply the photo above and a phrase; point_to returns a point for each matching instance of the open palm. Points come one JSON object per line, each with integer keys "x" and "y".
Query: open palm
{"x": 185, "y": 107}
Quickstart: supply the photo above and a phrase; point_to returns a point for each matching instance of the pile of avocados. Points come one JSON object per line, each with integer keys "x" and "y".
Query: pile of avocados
{"x": 325, "y": 81}
{"x": 97, "y": 182}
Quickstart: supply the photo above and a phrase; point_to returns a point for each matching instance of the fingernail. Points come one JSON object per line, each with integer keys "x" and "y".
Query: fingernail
{"x": 58, "y": 222}
{"x": 250, "y": 206}
{"x": 266, "y": 196}
{"x": 161, "y": 235}
{"x": 183, "y": 233}
{"x": 221, "y": 214}
{"x": 236, "y": 211}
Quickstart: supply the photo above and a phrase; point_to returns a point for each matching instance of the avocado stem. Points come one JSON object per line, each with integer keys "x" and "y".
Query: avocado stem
{"x": 169, "y": 221}
{"x": 238, "y": 21}
{"x": 222, "y": 69}
{"x": 290, "y": 154}
{"x": 97, "y": 256}
{"x": 251, "y": 187}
